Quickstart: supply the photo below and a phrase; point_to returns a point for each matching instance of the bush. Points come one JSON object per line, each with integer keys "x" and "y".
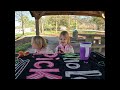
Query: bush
{"x": 22, "y": 47}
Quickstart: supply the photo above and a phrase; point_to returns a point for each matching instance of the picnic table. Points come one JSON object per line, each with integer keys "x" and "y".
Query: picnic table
{"x": 60, "y": 66}
{"x": 90, "y": 37}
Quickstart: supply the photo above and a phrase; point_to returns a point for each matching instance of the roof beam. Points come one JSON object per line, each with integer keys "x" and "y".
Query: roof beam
{"x": 85, "y": 13}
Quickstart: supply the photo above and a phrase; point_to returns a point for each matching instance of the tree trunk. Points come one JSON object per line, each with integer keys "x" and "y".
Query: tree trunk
{"x": 42, "y": 27}
{"x": 56, "y": 23}
{"x": 22, "y": 28}
{"x": 69, "y": 24}
{"x": 22, "y": 22}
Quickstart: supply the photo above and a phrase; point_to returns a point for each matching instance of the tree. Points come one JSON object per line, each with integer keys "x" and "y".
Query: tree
{"x": 55, "y": 22}
{"x": 41, "y": 20}
{"x": 99, "y": 22}
{"x": 31, "y": 24}
{"x": 21, "y": 16}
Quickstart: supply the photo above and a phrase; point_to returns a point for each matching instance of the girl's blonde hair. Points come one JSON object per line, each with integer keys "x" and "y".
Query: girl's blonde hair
{"x": 39, "y": 41}
{"x": 66, "y": 34}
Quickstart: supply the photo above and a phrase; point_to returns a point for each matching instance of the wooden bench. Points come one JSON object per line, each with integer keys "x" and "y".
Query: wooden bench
{"x": 100, "y": 47}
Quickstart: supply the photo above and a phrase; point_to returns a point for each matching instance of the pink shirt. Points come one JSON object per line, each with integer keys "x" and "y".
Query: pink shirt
{"x": 66, "y": 49}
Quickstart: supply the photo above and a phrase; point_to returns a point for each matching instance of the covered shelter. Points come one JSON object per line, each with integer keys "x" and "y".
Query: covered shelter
{"x": 39, "y": 14}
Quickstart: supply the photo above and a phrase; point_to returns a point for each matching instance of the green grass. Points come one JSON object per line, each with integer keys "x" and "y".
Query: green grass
{"x": 26, "y": 34}
{"x": 30, "y": 33}
{"x": 18, "y": 36}
{"x": 71, "y": 32}
{"x": 53, "y": 32}
{"x": 22, "y": 47}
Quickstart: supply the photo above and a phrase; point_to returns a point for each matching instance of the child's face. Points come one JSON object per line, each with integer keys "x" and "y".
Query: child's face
{"x": 63, "y": 40}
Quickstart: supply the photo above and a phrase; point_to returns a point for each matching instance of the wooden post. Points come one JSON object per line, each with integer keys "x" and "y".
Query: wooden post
{"x": 103, "y": 40}
{"x": 100, "y": 49}
{"x": 37, "y": 26}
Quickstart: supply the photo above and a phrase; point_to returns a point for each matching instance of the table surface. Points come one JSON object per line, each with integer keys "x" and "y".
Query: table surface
{"x": 100, "y": 35}
{"x": 62, "y": 66}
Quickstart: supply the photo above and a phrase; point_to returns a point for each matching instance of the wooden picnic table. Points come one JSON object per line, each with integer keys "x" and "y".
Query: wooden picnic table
{"x": 90, "y": 37}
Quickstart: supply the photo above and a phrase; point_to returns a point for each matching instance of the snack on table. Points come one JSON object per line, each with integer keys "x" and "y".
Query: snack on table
{"x": 22, "y": 54}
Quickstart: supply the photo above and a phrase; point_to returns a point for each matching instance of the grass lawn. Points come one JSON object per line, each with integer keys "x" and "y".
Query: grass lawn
{"x": 53, "y": 32}
{"x": 20, "y": 35}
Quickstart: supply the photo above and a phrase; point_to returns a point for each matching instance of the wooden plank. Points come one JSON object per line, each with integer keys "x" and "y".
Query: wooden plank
{"x": 98, "y": 46}
{"x": 87, "y": 13}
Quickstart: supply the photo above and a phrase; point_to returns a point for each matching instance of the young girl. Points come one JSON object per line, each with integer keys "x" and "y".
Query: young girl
{"x": 64, "y": 43}
{"x": 40, "y": 45}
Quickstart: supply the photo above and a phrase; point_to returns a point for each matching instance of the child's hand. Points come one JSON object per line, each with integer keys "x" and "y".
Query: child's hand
{"x": 20, "y": 54}
{"x": 60, "y": 51}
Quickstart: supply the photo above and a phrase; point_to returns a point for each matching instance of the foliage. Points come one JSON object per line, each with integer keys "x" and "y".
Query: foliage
{"x": 54, "y": 22}
{"x": 22, "y": 47}
{"x": 99, "y": 22}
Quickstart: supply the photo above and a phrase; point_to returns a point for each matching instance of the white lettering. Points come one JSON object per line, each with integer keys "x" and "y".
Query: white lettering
{"x": 73, "y": 67}
{"x": 85, "y": 73}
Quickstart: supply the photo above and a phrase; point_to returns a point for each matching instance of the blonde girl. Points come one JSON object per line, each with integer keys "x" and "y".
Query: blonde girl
{"x": 64, "y": 43}
{"x": 40, "y": 45}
